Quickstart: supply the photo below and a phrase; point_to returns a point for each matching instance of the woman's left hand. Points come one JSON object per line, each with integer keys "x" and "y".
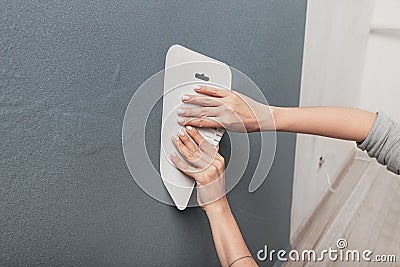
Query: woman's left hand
{"x": 204, "y": 164}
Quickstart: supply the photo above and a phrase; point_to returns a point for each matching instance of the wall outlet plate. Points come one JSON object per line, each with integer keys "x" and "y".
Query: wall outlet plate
{"x": 184, "y": 69}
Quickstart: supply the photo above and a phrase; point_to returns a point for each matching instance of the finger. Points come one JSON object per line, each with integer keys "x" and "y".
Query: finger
{"x": 183, "y": 167}
{"x": 205, "y": 101}
{"x": 183, "y": 150}
{"x": 199, "y": 112}
{"x": 206, "y": 157}
{"x": 211, "y": 91}
{"x": 195, "y": 135}
{"x": 187, "y": 141}
{"x": 200, "y": 122}
{"x": 194, "y": 157}
{"x": 203, "y": 144}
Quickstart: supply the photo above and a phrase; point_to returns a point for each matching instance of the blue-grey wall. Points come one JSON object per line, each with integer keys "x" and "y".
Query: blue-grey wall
{"x": 67, "y": 72}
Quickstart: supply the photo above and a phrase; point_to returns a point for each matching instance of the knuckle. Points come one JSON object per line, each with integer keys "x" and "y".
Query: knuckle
{"x": 197, "y": 154}
{"x": 207, "y": 101}
{"x": 212, "y": 169}
{"x": 219, "y": 102}
{"x": 217, "y": 164}
{"x": 190, "y": 156}
{"x": 227, "y": 122}
{"x": 206, "y": 179}
{"x": 200, "y": 123}
{"x": 203, "y": 113}
{"x": 225, "y": 108}
{"x": 229, "y": 108}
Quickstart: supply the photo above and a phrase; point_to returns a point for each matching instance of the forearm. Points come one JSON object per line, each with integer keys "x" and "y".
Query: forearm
{"x": 228, "y": 240}
{"x": 336, "y": 122}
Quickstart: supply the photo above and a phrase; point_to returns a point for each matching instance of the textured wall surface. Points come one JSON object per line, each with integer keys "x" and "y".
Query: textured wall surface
{"x": 67, "y": 72}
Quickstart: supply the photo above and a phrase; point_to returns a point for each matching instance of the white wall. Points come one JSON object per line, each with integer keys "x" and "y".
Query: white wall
{"x": 381, "y": 82}
{"x": 334, "y": 58}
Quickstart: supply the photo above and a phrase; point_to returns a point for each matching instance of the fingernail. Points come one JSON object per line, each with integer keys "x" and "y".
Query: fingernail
{"x": 174, "y": 154}
{"x": 185, "y": 97}
{"x": 182, "y": 133}
{"x": 180, "y": 120}
{"x": 189, "y": 128}
{"x": 175, "y": 138}
{"x": 197, "y": 87}
{"x": 180, "y": 111}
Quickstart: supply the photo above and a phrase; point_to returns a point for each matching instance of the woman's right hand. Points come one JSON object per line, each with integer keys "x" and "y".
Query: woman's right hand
{"x": 219, "y": 108}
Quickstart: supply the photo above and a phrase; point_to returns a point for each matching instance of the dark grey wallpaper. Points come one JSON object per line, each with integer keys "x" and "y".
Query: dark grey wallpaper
{"x": 67, "y": 72}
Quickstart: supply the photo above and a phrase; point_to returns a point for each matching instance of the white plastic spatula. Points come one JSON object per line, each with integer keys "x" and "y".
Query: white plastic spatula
{"x": 184, "y": 69}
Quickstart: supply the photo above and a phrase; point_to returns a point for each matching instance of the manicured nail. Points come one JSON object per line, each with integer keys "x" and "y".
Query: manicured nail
{"x": 180, "y": 120}
{"x": 174, "y": 154}
{"x": 182, "y": 132}
{"x": 180, "y": 111}
{"x": 174, "y": 138}
{"x": 185, "y": 97}
{"x": 189, "y": 128}
{"x": 197, "y": 87}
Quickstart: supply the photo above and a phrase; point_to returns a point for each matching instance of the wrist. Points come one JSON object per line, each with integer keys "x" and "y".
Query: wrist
{"x": 263, "y": 118}
{"x": 218, "y": 207}
{"x": 278, "y": 115}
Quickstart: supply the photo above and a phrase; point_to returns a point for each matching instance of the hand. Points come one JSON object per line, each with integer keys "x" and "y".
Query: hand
{"x": 206, "y": 166}
{"x": 219, "y": 108}
{"x": 207, "y": 169}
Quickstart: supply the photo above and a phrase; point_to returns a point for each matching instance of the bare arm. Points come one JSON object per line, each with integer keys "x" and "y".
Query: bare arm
{"x": 207, "y": 168}
{"x": 228, "y": 240}
{"x": 336, "y": 122}
{"x": 239, "y": 113}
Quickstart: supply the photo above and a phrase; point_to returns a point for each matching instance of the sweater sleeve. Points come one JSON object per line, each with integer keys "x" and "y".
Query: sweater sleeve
{"x": 383, "y": 142}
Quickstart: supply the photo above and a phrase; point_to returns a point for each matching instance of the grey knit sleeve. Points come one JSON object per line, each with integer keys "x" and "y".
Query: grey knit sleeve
{"x": 383, "y": 142}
